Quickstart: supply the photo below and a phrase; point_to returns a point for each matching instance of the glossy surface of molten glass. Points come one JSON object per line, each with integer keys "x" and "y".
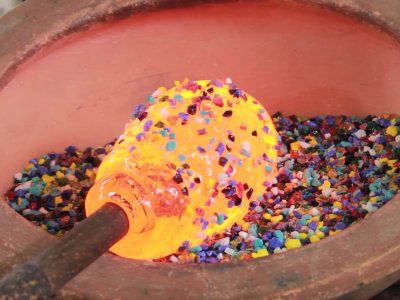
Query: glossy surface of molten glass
{"x": 187, "y": 166}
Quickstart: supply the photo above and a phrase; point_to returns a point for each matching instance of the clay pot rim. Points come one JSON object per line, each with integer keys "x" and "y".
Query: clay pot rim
{"x": 24, "y": 40}
{"x": 17, "y": 51}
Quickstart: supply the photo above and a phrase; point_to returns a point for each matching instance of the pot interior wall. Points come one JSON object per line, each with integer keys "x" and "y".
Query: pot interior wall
{"x": 294, "y": 58}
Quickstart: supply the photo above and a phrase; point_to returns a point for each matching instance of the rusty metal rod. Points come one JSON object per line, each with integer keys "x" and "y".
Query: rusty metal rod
{"x": 42, "y": 276}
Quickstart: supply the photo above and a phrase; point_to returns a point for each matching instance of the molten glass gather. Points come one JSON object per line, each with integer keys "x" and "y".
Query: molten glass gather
{"x": 187, "y": 166}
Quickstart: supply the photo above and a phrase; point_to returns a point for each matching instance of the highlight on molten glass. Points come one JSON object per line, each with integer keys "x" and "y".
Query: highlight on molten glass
{"x": 187, "y": 166}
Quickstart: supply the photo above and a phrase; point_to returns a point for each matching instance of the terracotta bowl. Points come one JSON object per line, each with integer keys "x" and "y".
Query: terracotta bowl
{"x": 72, "y": 71}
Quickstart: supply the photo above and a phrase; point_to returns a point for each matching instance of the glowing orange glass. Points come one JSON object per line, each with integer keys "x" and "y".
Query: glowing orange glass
{"x": 187, "y": 166}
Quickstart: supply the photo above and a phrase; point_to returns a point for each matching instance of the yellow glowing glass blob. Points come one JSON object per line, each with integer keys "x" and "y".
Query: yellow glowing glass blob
{"x": 187, "y": 166}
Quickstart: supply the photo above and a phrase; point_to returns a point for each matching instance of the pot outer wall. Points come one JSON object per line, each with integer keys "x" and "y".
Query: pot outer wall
{"x": 366, "y": 265}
